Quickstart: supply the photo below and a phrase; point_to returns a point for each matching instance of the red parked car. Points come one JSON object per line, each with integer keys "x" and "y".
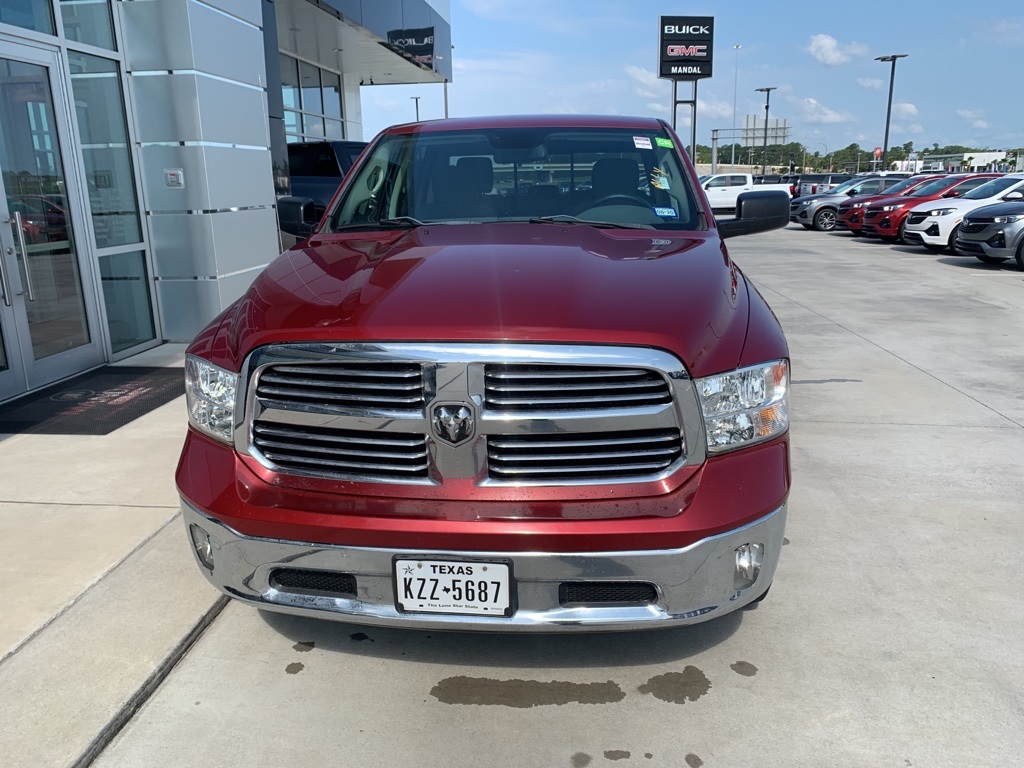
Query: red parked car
{"x": 849, "y": 216}
{"x": 886, "y": 218}
{"x": 511, "y": 381}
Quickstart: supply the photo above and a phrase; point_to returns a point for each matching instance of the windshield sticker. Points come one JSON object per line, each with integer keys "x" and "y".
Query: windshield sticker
{"x": 659, "y": 180}
{"x": 667, "y": 213}
{"x": 642, "y": 142}
{"x": 667, "y": 143}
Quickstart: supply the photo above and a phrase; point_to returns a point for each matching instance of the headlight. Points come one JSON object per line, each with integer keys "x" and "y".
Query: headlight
{"x": 745, "y": 407}
{"x": 1007, "y": 219}
{"x": 942, "y": 212}
{"x": 210, "y": 395}
{"x": 890, "y": 207}
{"x": 857, "y": 205}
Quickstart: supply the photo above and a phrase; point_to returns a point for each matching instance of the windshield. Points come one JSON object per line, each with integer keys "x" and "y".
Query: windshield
{"x": 903, "y": 186}
{"x": 992, "y": 188}
{"x": 618, "y": 177}
{"x": 933, "y": 187}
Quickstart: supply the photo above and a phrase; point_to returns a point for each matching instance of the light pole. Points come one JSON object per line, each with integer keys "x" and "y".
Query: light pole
{"x": 735, "y": 82}
{"x": 888, "y": 110}
{"x": 417, "y": 100}
{"x": 767, "y": 97}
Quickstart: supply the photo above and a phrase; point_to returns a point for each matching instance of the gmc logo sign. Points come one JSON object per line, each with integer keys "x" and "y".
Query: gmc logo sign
{"x": 686, "y": 50}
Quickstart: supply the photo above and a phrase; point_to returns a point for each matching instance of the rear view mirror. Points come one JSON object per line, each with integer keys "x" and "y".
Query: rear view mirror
{"x": 1015, "y": 195}
{"x": 298, "y": 215}
{"x": 757, "y": 212}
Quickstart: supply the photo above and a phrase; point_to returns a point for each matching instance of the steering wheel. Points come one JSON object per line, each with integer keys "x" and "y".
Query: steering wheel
{"x": 622, "y": 198}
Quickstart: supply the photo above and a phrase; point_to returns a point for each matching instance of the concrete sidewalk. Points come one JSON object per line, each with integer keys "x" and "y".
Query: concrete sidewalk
{"x": 101, "y": 592}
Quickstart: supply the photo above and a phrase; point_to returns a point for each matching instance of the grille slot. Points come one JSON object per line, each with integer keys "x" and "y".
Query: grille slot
{"x": 517, "y": 388}
{"x": 607, "y": 592}
{"x": 342, "y": 454}
{"x": 319, "y": 582}
{"x": 588, "y": 456}
{"x": 973, "y": 225}
{"x": 393, "y": 387}
{"x": 916, "y": 218}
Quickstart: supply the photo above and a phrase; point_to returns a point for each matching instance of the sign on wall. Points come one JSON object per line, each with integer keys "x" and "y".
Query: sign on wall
{"x": 686, "y": 45}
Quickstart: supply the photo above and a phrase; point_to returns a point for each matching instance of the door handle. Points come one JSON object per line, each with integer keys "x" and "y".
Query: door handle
{"x": 24, "y": 256}
{"x": 5, "y": 284}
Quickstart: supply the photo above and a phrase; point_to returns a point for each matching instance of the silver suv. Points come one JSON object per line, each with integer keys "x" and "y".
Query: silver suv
{"x": 819, "y": 211}
{"x": 993, "y": 233}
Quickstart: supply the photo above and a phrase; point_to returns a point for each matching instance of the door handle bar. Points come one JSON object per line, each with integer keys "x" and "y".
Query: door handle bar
{"x": 24, "y": 256}
{"x": 5, "y": 284}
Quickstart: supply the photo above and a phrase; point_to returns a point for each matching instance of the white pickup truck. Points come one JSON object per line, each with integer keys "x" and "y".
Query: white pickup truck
{"x": 722, "y": 189}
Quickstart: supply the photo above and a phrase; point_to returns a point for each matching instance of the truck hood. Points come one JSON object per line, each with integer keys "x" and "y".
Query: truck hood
{"x": 497, "y": 282}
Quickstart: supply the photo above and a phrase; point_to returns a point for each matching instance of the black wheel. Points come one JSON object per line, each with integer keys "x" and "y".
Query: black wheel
{"x": 934, "y": 248}
{"x": 855, "y": 233}
{"x": 951, "y": 243}
{"x": 762, "y": 597}
{"x": 903, "y": 229}
{"x": 1020, "y": 256}
{"x": 805, "y": 226}
{"x": 825, "y": 220}
{"x": 989, "y": 259}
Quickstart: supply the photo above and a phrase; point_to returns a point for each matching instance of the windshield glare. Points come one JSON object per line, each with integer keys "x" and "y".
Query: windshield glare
{"x": 612, "y": 175}
{"x": 902, "y": 186}
{"x": 932, "y": 187}
{"x": 992, "y": 188}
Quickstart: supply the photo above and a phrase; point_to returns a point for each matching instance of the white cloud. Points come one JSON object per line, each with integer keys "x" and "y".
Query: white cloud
{"x": 830, "y": 52}
{"x": 656, "y": 107}
{"x": 983, "y": 124}
{"x": 816, "y": 112}
{"x": 904, "y": 110}
{"x": 915, "y": 128}
{"x": 647, "y": 83}
{"x": 874, "y": 83}
{"x": 969, "y": 114}
{"x": 713, "y": 108}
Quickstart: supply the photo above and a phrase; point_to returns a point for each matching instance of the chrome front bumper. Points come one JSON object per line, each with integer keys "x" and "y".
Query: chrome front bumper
{"x": 693, "y": 584}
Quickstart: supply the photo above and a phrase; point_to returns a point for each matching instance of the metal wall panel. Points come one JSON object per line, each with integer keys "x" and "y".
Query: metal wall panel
{"x": 249, "y": 10}
{"x": 213, "y": 244}
{"x": 215, "y": 178}
{"x": 185, "y": 107}
{"x": 188, "y": 305}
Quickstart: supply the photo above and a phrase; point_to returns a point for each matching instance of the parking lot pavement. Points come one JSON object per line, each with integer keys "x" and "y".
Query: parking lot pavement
{"x": 892, "y": 635}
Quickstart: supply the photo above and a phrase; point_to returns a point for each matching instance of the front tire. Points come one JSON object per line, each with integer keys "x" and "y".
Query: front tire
{"x": 989, "y": 259}
{"x": 902, "y": 230}
{"x": 825, "y": 220}
{"x": 951, "y": 243}
{"x": 935, "y": 248}
{"x": 1020, "y": 256}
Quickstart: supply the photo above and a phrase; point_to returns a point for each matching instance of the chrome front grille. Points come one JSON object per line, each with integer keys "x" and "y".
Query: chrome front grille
{"x": 582, "y": 457}
{"x": 485, "y": 414}
{"x": 571, "y": 388}
{"x": 341, "y": 453}
{"x": 376, "y": 386}
{"x": 917, "y": 218}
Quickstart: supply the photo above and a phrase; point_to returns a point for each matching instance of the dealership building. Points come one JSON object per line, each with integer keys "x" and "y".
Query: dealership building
{"x": 143, "y": 144}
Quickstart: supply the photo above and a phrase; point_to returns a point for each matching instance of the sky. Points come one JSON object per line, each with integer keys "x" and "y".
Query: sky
{"x": 958, "y": 85}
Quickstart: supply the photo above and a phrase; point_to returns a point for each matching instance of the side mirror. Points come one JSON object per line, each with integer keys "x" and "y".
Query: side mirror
{"x": 1015, "y": 195}
{"x": 952, "y": 193}
{"x": 852, "y": 192}
{"x": 757, "y": 212}
{"x": 297, "y": 215}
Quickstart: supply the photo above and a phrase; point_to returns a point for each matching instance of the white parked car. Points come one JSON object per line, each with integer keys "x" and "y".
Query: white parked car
{"x": 934, "y": 224}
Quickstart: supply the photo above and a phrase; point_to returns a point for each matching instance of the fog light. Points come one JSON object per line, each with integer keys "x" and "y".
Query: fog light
{"x": 203, "y": 547}
{"x": 748, "y": 565}
{"x": 998, "y": 240}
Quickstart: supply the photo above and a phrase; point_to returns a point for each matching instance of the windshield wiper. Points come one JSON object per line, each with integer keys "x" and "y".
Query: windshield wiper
{"x": 398, "y": 222}
{"x": 565, "y": 218}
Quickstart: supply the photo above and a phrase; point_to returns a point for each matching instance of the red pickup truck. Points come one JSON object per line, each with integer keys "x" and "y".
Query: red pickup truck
{"x": 511, "y": 381}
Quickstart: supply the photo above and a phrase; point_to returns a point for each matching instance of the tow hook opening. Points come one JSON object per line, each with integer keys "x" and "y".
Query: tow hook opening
{"x": 749, "y": 558}
{"x": 202, "y": 545}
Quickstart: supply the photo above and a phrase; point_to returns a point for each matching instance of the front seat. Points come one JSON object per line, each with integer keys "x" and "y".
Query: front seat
{"x": 614, "y": 176}
{"x": 461, "y": 191}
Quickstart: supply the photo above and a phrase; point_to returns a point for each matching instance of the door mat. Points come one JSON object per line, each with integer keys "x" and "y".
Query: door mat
{"x": 95, "y": 403}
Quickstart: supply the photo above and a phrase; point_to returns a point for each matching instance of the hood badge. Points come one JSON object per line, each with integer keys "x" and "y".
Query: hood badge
{"x": 453, "y": 423}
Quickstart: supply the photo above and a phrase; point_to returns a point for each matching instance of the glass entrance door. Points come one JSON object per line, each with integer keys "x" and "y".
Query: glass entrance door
{"x": 46, "y": 316}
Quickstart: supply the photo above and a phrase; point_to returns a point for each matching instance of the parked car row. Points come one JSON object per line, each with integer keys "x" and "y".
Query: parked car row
{"x": 972, "y": 214}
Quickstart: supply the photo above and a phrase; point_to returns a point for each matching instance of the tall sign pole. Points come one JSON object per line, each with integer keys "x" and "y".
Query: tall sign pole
{"x": 686, "y": 46}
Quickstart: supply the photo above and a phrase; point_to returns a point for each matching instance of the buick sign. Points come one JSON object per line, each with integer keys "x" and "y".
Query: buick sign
{"x": 686, "y": 44}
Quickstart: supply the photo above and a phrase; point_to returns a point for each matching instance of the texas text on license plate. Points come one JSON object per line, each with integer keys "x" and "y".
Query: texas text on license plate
{"x": 453, "y": 586}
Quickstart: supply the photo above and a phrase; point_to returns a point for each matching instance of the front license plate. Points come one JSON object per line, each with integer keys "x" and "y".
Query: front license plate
{"x": 454, "y": 587}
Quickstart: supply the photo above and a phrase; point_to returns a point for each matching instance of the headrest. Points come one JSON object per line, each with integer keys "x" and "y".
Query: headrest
{"x": 477, "y": 173}
{"x": 615, "y": 175}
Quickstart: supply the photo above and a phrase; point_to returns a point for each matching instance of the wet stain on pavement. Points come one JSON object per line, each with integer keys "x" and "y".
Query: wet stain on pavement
{"x": 304, "y": 647}
{"x": 678, "y": 687}
{"x": 523, "y": 693}
{"x": 581, "y": 760}
{"x": 295, "y": 667}
{"x": 360, "y": 636}
{"x": 744, "y": 668}
{"x": 616, "y": 754}
{"x": 648, "y": 755}
{"x": 693, "y": 761}
{"x": 785, "y": 541}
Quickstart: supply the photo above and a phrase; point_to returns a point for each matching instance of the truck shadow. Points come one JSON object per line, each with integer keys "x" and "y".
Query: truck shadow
{"x": 533, "y": 651}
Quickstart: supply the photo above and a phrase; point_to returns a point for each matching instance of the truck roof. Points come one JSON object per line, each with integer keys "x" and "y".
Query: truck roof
{"x": 531, "y": 121}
